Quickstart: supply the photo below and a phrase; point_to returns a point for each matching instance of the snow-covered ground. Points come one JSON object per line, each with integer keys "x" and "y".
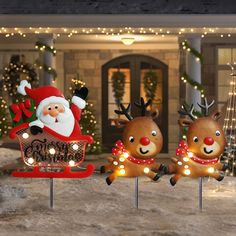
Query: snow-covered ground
{"x": 90, "y": 207}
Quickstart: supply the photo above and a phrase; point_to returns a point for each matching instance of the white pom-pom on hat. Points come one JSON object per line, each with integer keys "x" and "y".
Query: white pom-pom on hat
{"x": 21, "y": 87}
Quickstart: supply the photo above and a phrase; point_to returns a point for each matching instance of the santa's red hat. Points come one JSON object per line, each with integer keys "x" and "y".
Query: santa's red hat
{"x": 42, "y": 96}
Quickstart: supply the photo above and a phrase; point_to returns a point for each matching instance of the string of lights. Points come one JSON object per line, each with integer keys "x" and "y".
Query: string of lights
{"x": 101, "y": 31}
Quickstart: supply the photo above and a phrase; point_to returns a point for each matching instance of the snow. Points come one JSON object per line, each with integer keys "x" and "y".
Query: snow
{"x": 90, "y": 207}
{"x": 8, "y": 156}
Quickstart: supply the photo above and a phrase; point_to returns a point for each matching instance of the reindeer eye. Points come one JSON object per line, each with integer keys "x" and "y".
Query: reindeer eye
{"x": 195, "y": 139}
{"x": 154, "y": 133}
{"x": 217, "y": 133}
{"x": 131, "y": 139}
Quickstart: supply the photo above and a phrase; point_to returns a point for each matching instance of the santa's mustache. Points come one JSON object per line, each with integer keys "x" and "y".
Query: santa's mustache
{"x": 61, "y": 118}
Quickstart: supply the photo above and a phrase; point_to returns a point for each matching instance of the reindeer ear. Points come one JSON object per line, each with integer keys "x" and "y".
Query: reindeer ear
{"x": 120, "y": 123}
{"x": 154, "y": 114}
{"x": 216, "y": 115}
{"x": 183, "y": 122}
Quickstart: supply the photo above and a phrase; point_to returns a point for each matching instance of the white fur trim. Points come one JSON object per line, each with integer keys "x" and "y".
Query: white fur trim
{"x": 21, "y": 87}
{"x": 36, "y": 123}
{"x": 79, "y": 102}
{"x": 52, "y": 99}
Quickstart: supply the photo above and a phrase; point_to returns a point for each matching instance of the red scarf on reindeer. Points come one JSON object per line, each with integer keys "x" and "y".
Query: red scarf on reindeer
{"x": 120, "y": 149}
{"x": 183, "y": 150}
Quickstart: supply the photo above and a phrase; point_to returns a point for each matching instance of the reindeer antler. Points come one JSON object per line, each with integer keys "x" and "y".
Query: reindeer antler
{"x": 124, "y": 111}
{"x": 143, "y": 105}
{"x": 206, "y": 106}
{"x": 187, "y": 112}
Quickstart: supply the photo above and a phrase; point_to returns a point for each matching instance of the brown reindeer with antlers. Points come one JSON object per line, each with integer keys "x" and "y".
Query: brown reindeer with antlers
{"x": 142, "y": 141}
{"x": 199, "y": 157}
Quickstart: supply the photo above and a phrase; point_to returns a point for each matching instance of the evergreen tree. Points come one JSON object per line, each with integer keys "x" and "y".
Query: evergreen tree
{"x": 88, "y": 121}
{"x": 5, "y": 123}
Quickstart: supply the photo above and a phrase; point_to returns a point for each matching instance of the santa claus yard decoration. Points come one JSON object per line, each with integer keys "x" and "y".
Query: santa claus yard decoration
{"x": 54, "y": 140}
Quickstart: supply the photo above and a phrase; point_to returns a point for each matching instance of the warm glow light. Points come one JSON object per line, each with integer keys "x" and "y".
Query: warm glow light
{"x": 127, "y": 41}
{"x": 72, "y": 163}
{"x": 126, "y": 155}
{"x": 75, "y": 147}
{"x": 190, "y": 154}
{"x": 30, "y": 160}
{"x": 122, "y": 166}
{"x": 122, "y": 159}
{"x": 186, "y": 159}
{"x": 25, "y": 135}
{"x": 122, "y": 171}
{"x": 115, "y": 163}
{"x": 146, "y": 170}
{"x": 52, "y": 151}
{"x": 180, "y": 163}
{"x": 211, "y": 170}
{"x": 187, "y": 172}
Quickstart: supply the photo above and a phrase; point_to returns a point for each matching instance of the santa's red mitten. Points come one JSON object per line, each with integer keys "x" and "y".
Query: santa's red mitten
{"x": 79, "y": 97}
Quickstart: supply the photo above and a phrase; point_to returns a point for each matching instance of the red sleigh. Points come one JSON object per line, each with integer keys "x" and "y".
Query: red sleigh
{"x": 49, "y": 151}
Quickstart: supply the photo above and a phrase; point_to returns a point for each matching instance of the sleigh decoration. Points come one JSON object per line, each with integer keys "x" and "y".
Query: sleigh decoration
{"x": 47, "y": 150}
{"x": 44, "y": 150}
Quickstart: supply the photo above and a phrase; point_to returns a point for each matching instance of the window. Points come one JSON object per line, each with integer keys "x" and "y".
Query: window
{"x": 225, "y": 55}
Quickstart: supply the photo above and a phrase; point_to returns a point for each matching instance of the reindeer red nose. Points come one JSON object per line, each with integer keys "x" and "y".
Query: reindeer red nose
{"x": 144, "y": 141}
{"x": 208, "y": 141}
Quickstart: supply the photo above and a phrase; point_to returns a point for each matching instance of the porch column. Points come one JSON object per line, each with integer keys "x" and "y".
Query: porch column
{"x": 46, "y": 58}
{"x": 193, "y": 69}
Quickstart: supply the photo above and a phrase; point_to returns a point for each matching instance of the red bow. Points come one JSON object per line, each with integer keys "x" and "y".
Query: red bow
{"x": 182, "y": 149}
{"x": 21, "y": 108}
{"x": 120, "y": 148}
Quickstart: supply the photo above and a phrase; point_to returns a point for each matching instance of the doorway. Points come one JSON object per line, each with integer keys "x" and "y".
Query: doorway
{"x": 133, "y": 76}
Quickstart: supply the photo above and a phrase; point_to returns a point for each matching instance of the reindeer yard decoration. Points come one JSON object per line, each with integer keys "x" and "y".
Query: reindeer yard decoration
{"x": 199, "y": 157}
{"x": 142, "y": 141}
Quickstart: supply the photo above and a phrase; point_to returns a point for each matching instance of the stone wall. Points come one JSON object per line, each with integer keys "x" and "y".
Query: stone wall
{"x": 88, "y": 63}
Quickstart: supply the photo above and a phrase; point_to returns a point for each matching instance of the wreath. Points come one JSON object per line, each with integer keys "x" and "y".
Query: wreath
{"x": 118, "y": 86}
{"x": 150, "y": 81}
{"x": 11, "y": 76}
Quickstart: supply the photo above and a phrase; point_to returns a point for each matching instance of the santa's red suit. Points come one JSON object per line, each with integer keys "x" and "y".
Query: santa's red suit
{"x": 43, "y": 96}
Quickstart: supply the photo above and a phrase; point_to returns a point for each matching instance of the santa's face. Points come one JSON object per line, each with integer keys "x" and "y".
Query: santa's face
{"x": 53, "y": 109}
{"x": 58, "y": 117}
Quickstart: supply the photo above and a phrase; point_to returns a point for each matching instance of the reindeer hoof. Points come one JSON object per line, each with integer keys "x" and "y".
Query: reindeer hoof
{"x": 172, "y": 181}
{"x": 157, "y": 176}
{"x": 221, "y": 177}
{"x": 163, "y": 168}
{"x": 225, "y": 167}
{"x": 102, "y": 169}
{"x": 109, "y": 182}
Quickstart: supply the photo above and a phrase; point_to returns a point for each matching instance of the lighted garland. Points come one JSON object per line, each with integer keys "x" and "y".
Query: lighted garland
{"x": 118, "y": 86}
{"x": 44, "y": 47}
{"x": 11, "y": 77}
{"x": 185, "y": 77}
{"x": 150, "y": 81}
{"x": 48, "y": 69}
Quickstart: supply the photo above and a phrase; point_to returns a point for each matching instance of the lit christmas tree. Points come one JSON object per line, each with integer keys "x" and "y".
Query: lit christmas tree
{"x": 230, "y": 127}
{"x": 88, "y": 121}
{"x": 5, "y": 124}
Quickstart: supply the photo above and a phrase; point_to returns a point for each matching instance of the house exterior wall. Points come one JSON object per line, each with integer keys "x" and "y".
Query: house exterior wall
{"x": 88, "y": 63}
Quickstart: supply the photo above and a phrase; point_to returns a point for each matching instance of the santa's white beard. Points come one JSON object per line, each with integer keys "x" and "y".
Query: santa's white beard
{"x": 64, "y": 125}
